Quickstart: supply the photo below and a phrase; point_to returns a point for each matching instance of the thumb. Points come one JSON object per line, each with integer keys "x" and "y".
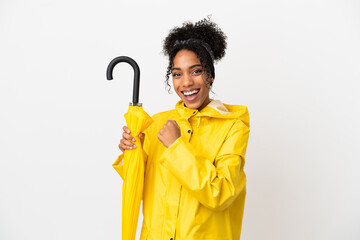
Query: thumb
{"x": 142, "y": 137}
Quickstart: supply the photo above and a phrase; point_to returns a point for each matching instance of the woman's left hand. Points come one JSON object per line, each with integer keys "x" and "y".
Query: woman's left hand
{"x": 169, "y": 133}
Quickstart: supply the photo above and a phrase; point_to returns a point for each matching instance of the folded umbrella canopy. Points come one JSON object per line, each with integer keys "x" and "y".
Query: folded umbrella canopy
{"x": 137, "y": 121}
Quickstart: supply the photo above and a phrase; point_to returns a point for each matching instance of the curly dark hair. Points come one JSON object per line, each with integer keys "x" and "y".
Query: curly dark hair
{"x": 204, "y": 38}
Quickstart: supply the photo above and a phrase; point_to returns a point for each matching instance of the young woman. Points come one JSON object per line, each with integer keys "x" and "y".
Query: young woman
{"x": 195, "y": 184}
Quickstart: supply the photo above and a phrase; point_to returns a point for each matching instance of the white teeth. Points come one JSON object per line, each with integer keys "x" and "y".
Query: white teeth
{"x": 191, "y": 92}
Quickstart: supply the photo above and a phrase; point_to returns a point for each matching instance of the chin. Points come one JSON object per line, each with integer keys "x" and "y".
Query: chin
{"x": 192, "y": 105}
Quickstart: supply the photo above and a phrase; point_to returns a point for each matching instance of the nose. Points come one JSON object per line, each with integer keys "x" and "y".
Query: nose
{"x": 187, "y": 80}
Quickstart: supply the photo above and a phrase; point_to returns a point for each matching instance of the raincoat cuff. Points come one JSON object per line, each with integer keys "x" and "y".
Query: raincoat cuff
{"x": 118, "y": 165}
{"x": 170, "y": 149}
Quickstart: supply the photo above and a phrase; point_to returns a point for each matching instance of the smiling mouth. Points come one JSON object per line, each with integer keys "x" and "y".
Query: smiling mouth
{"x": 190, "y": 93}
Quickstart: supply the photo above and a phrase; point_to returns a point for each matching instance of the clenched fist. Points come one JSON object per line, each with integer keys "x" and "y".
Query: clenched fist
{"x": 169, "y": 133}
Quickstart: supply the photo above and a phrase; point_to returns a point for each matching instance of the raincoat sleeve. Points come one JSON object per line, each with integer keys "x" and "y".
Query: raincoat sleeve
{"x": 215, "y": 184}
{"x": 119, "y": 162}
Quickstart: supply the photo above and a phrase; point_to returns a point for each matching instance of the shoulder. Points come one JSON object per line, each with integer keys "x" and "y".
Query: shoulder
{"x": 240, "y": 129}
{"x": 239, "y": 113}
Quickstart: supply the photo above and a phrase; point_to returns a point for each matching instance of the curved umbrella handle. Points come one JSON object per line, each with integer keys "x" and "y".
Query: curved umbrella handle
{"x": 109, "y": 74}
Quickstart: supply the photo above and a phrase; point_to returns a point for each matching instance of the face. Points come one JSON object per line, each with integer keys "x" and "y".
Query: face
{"x": 189, "y": 80}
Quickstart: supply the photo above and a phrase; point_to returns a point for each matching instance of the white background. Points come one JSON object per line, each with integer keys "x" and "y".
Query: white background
{"x": 295, "y": 64}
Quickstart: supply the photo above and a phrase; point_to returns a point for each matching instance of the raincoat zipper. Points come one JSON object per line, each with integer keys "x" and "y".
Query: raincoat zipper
{"x": 191, "y": 133}
{"x": 178, "y": 212}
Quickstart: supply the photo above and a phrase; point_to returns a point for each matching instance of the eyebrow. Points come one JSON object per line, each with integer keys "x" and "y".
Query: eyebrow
{"x": 196, "y": 65}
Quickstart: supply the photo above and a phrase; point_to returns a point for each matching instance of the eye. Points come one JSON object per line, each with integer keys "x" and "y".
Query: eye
{"x": 176, "y": 75}
{"x": 197, "y": 72}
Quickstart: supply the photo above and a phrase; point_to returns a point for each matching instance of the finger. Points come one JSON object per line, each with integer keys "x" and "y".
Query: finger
{"x": 161, "y": 131}
{"x": 127, "y": 144}
{"x": 123, "y": 147}
{"x": 171, "y": 122}
{"x": 159, "y": 136}
{"x": 126, "y": 129}
{"x": 174, "y": 122}
{"x": 142, "y": 136}
{"x": 128, "y": 137}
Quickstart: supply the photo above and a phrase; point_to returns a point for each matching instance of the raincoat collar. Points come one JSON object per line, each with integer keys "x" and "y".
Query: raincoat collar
{"x": 214, "y": 109}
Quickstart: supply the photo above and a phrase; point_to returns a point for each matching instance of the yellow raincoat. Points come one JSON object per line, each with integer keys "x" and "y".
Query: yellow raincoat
{"x": 196, "y": 188}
